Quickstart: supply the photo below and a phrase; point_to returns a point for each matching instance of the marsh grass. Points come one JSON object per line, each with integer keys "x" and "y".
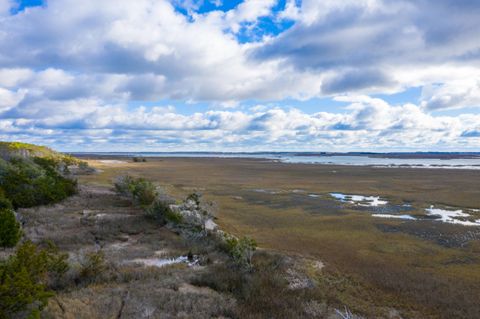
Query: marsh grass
{"x": 374, "y": 270}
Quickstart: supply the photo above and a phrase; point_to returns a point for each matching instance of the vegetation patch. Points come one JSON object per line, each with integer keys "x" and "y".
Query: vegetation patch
{"x": 10, "y": 231}
{"x": 26, "y": 279}
{"x": 141, "y": 191}
{"x": 33, "y": 182}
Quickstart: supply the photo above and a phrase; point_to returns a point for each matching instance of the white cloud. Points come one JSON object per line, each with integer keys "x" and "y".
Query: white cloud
{"x": 73, "y": 68}
{"x": 10, "y": 99}
{"x": 379, "y": 46}
{"x": 454, "y": 94}
{"x": 369, "y": 123}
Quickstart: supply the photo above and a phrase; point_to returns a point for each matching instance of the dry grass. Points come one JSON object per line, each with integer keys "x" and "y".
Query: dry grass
{"x": 407, "y": 269}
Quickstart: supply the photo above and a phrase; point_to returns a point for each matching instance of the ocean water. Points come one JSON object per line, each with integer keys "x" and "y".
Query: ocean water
{"x": 445, "y": 162}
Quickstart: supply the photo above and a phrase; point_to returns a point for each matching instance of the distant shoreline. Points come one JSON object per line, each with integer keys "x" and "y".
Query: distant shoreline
{"x": 446, "y": 161}
{"x": 268, "y": 155}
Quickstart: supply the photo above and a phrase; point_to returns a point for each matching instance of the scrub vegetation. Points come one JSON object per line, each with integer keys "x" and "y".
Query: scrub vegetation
{"x": 33, "y": 175}
{"x": 374, "y": 266}
{"x": 146, "y": 244}
{"x": 30, "y": 175}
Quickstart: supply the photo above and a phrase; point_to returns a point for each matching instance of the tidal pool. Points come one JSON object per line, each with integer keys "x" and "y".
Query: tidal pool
{"x": 407, "y": 217}
{"x": 368, "y": 201}
{"x": 451, "y": 216}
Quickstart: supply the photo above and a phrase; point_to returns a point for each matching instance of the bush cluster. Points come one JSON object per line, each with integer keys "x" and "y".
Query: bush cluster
{"x": 241, "y": 250}
{"x": 10, "y": 231}
{"x": 35, "y": 181}
{"x": 161, "y": 212}
{"x": 92, "y": 265}
{"x": 139, "y": 159}
{"x": 141, "y": 191}
{"x": 26, "y": 278}
{"x": 260, "y": 293}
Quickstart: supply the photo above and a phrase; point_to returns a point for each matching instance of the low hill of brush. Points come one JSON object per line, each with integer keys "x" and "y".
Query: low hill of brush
{"x": 32, "y": 175}
{"x": 9, "y": 150}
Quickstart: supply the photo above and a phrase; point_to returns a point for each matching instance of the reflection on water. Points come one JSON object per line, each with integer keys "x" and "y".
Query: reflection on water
{"x": 372, "y": 201}
{"x": 340, "y": 204}
{"x": 407, "y": 217}
{"x": 452, "y": 216}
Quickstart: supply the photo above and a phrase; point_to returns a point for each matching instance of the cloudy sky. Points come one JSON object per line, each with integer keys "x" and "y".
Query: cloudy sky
{"x": 251, "y": 75}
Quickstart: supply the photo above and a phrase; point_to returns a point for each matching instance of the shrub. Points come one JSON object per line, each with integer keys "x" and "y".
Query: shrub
{"x": 5, "y": 203}
{"x": 173, "y": 217}
{"x": 124, "y": 185}
{"x": 261, "y": 293}
{"x": 25, "y": 279}
{"x": 92, "y": 265}
{"x": 139, "y": 159}
{"x": 141, "y": 191}
{"x": 241, "y": 250}
{"x": 28, "y": 183}
{"x": 10, "y": 231}
{"x": 144, "y": 192}
{"x": 159, "y": 211}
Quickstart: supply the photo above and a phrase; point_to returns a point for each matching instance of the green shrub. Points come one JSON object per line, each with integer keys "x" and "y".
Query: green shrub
{"x": 92, "y": 265}
{"x": 28, "y": 183}
{"x": 144, "y": 192}
{"x": 5, "y": 203}
{"x": 241, "y": 250}
{"x": 139, "y": 159}
{"x": 25, "y": 278}
{"x": 10, "y": 231}
{"x": 173, "y": 217}
{"x": 157, "y": 211}
{"x": 141, "y": 191}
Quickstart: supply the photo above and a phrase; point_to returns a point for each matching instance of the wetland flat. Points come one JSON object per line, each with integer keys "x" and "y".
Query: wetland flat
{"x": 415, "y": 256}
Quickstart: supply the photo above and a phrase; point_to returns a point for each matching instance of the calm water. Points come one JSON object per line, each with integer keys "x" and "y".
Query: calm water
{"x": 361, "y": 160}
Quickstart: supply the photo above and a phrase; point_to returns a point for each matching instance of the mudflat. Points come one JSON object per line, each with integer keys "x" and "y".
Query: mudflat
{"x": 423, "y": 263}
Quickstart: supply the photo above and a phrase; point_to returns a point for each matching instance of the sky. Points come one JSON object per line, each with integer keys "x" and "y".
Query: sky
{"x": 241, "y": 75}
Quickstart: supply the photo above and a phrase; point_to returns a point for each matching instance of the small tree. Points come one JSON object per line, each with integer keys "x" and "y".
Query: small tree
{"x": 10, "y": 231}
{"x": 25, "y": 279}
{"x": 144, "y": 192}
{"x": 241, "y": 250}
{"x": 161, "y": 212}
{"x": 141, "y": 191}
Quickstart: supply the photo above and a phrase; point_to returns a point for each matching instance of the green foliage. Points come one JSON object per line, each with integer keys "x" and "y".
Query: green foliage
{"x": 25, "y": 278}
{"x": 161, "y": 212}
{"x": 144, "y": 192}
{"x": 92, "y": 265}
{"x": 5, "y": 203}
{"x": 173, "y": 217}
{"x": 10, "y": 231}
{"x": 157, "y": 211}
{"x": 139, "y": 159}
{"x": 141, "y": 191}
{"x": 32, "y": 182}
{"x": 241, "y": 250}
